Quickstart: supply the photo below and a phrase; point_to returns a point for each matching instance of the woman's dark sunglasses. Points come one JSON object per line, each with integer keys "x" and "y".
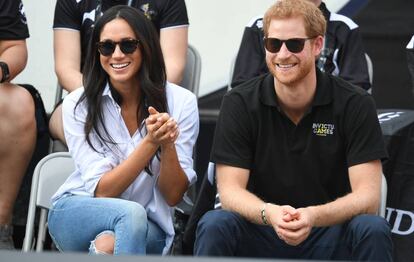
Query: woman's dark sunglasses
{"x": 127, "y": 46}
{"x": 294, "y": 45}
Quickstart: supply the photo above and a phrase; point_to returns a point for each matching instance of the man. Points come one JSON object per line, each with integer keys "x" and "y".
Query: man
{"x": 343, "y": 53}
{"x": 73, "y": 24}
{"x": 298, "y": 156}
{"x": 17, "y": 114}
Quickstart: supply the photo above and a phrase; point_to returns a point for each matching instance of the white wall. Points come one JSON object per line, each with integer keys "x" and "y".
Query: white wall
{"x": 39, "y": 70}
{"x": 216, "y": 28}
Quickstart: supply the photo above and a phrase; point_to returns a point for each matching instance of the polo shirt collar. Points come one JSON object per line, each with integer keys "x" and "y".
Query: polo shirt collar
{"x": 267, "y": 91}
{"x": 323, "y": 94}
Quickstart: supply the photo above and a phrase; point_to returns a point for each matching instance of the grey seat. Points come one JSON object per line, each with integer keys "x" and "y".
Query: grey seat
{"x": 370, "y": 71}
{"x": 383, "y": 199}
{"x": 192, "y": 71}
{"x": 191, "y": 81}
{"x": 48, "y": 176}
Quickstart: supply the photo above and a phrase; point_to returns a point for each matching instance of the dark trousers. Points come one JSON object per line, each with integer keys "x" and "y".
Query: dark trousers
{"x": 224, "y": 233}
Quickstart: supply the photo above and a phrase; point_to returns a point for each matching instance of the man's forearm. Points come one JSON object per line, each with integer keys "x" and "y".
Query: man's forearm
{"x": 244, "y": 203}
{"x": 343, "y": 209}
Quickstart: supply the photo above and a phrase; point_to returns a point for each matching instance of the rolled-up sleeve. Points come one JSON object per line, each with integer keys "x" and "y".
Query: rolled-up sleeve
{"x": 90, "y": 163}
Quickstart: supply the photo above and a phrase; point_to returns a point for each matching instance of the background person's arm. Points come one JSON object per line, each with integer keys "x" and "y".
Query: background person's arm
{"x": 14, "y": 54}
{"x": 174, "y": 42}
{"x": 67, "y": 51}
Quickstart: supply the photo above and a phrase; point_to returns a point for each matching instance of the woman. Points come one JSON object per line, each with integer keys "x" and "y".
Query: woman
{"x": 133, "y": 162}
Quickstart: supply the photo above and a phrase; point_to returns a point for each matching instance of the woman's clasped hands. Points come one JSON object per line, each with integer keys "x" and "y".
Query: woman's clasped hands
{"x": 161, "y": 127}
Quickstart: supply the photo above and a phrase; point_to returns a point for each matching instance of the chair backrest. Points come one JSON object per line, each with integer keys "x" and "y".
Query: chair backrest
{"x": 192, "y": 71}
{"x": 370, "y": 71}
{"x": 230, "y": 79}
{"x": 53, "y": 171}
{"x": 48, "y": 176}
{"x": 383, "y": 197}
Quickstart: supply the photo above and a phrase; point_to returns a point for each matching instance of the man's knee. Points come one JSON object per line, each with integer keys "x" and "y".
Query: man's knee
{"x": 103, "y": 244}
{"x": 215, "y": 222}
{"x": 216, "y": 227}
{"x": 370, "y": 226}
{"x": 217, "y": 233}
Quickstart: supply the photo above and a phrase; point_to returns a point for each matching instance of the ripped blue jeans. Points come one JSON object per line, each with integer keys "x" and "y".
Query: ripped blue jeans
{"x": 75, "y": 222}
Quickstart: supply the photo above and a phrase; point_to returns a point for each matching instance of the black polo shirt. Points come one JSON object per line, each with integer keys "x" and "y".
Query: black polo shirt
{"x": 304, "y": 164}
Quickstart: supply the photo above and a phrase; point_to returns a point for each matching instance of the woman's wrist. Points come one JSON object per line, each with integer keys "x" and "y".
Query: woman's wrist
{"x": 150, "y": 143}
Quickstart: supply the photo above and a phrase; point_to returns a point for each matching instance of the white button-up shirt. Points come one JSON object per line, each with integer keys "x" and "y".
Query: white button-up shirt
{"x": 91, "y": 165}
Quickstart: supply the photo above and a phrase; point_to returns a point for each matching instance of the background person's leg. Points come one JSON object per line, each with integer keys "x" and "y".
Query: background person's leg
{"x": 17, "y": 142}
{"x": 56, "y": 125}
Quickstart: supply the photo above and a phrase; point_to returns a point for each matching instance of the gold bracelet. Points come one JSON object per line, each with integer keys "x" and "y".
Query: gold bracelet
{"x": 263, "y": 214}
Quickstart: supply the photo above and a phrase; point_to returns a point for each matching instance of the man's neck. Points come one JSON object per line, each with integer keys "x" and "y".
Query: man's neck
{"x": 295, "y": 100}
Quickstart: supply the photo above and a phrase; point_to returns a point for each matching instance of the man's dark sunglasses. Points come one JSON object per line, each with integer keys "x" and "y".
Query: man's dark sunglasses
{"x": 127, "y": 46}
{"x": 294, "y": 45}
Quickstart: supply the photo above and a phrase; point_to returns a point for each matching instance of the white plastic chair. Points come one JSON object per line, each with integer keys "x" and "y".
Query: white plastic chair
{"x": 383, "y": 199}
{"x": 192, "y": 71}
{"x": 370, "y": 71}
{"x": 48, "y": 175}
{"x": 191, "y": 81}
{"x": 231, "y": 72}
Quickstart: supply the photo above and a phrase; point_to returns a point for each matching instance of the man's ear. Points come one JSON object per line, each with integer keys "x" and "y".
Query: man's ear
{"x": 318, "y": 45}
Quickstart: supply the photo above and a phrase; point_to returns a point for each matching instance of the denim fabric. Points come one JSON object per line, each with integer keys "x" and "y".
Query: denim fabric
{"x": 224, "y": 233}
{"x": 75, "y": 221}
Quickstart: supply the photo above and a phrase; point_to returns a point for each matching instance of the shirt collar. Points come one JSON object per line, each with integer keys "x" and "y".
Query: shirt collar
{"x": 267, "y": 91}
{"x": 107, "y": 93}
{"x": 107, "y": 90}
{"x": 323, "y": 94}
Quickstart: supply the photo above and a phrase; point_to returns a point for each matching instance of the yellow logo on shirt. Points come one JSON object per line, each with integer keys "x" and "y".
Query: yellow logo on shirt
{"x": 321, "y": 129}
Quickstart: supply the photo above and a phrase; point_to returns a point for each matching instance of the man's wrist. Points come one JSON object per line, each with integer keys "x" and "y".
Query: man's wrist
{"x": 263, "y": 216}
{"x": 312, "y": 214}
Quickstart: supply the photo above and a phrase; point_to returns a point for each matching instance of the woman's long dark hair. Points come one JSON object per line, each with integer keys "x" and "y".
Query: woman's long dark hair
{"x": 151, "y": 75}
